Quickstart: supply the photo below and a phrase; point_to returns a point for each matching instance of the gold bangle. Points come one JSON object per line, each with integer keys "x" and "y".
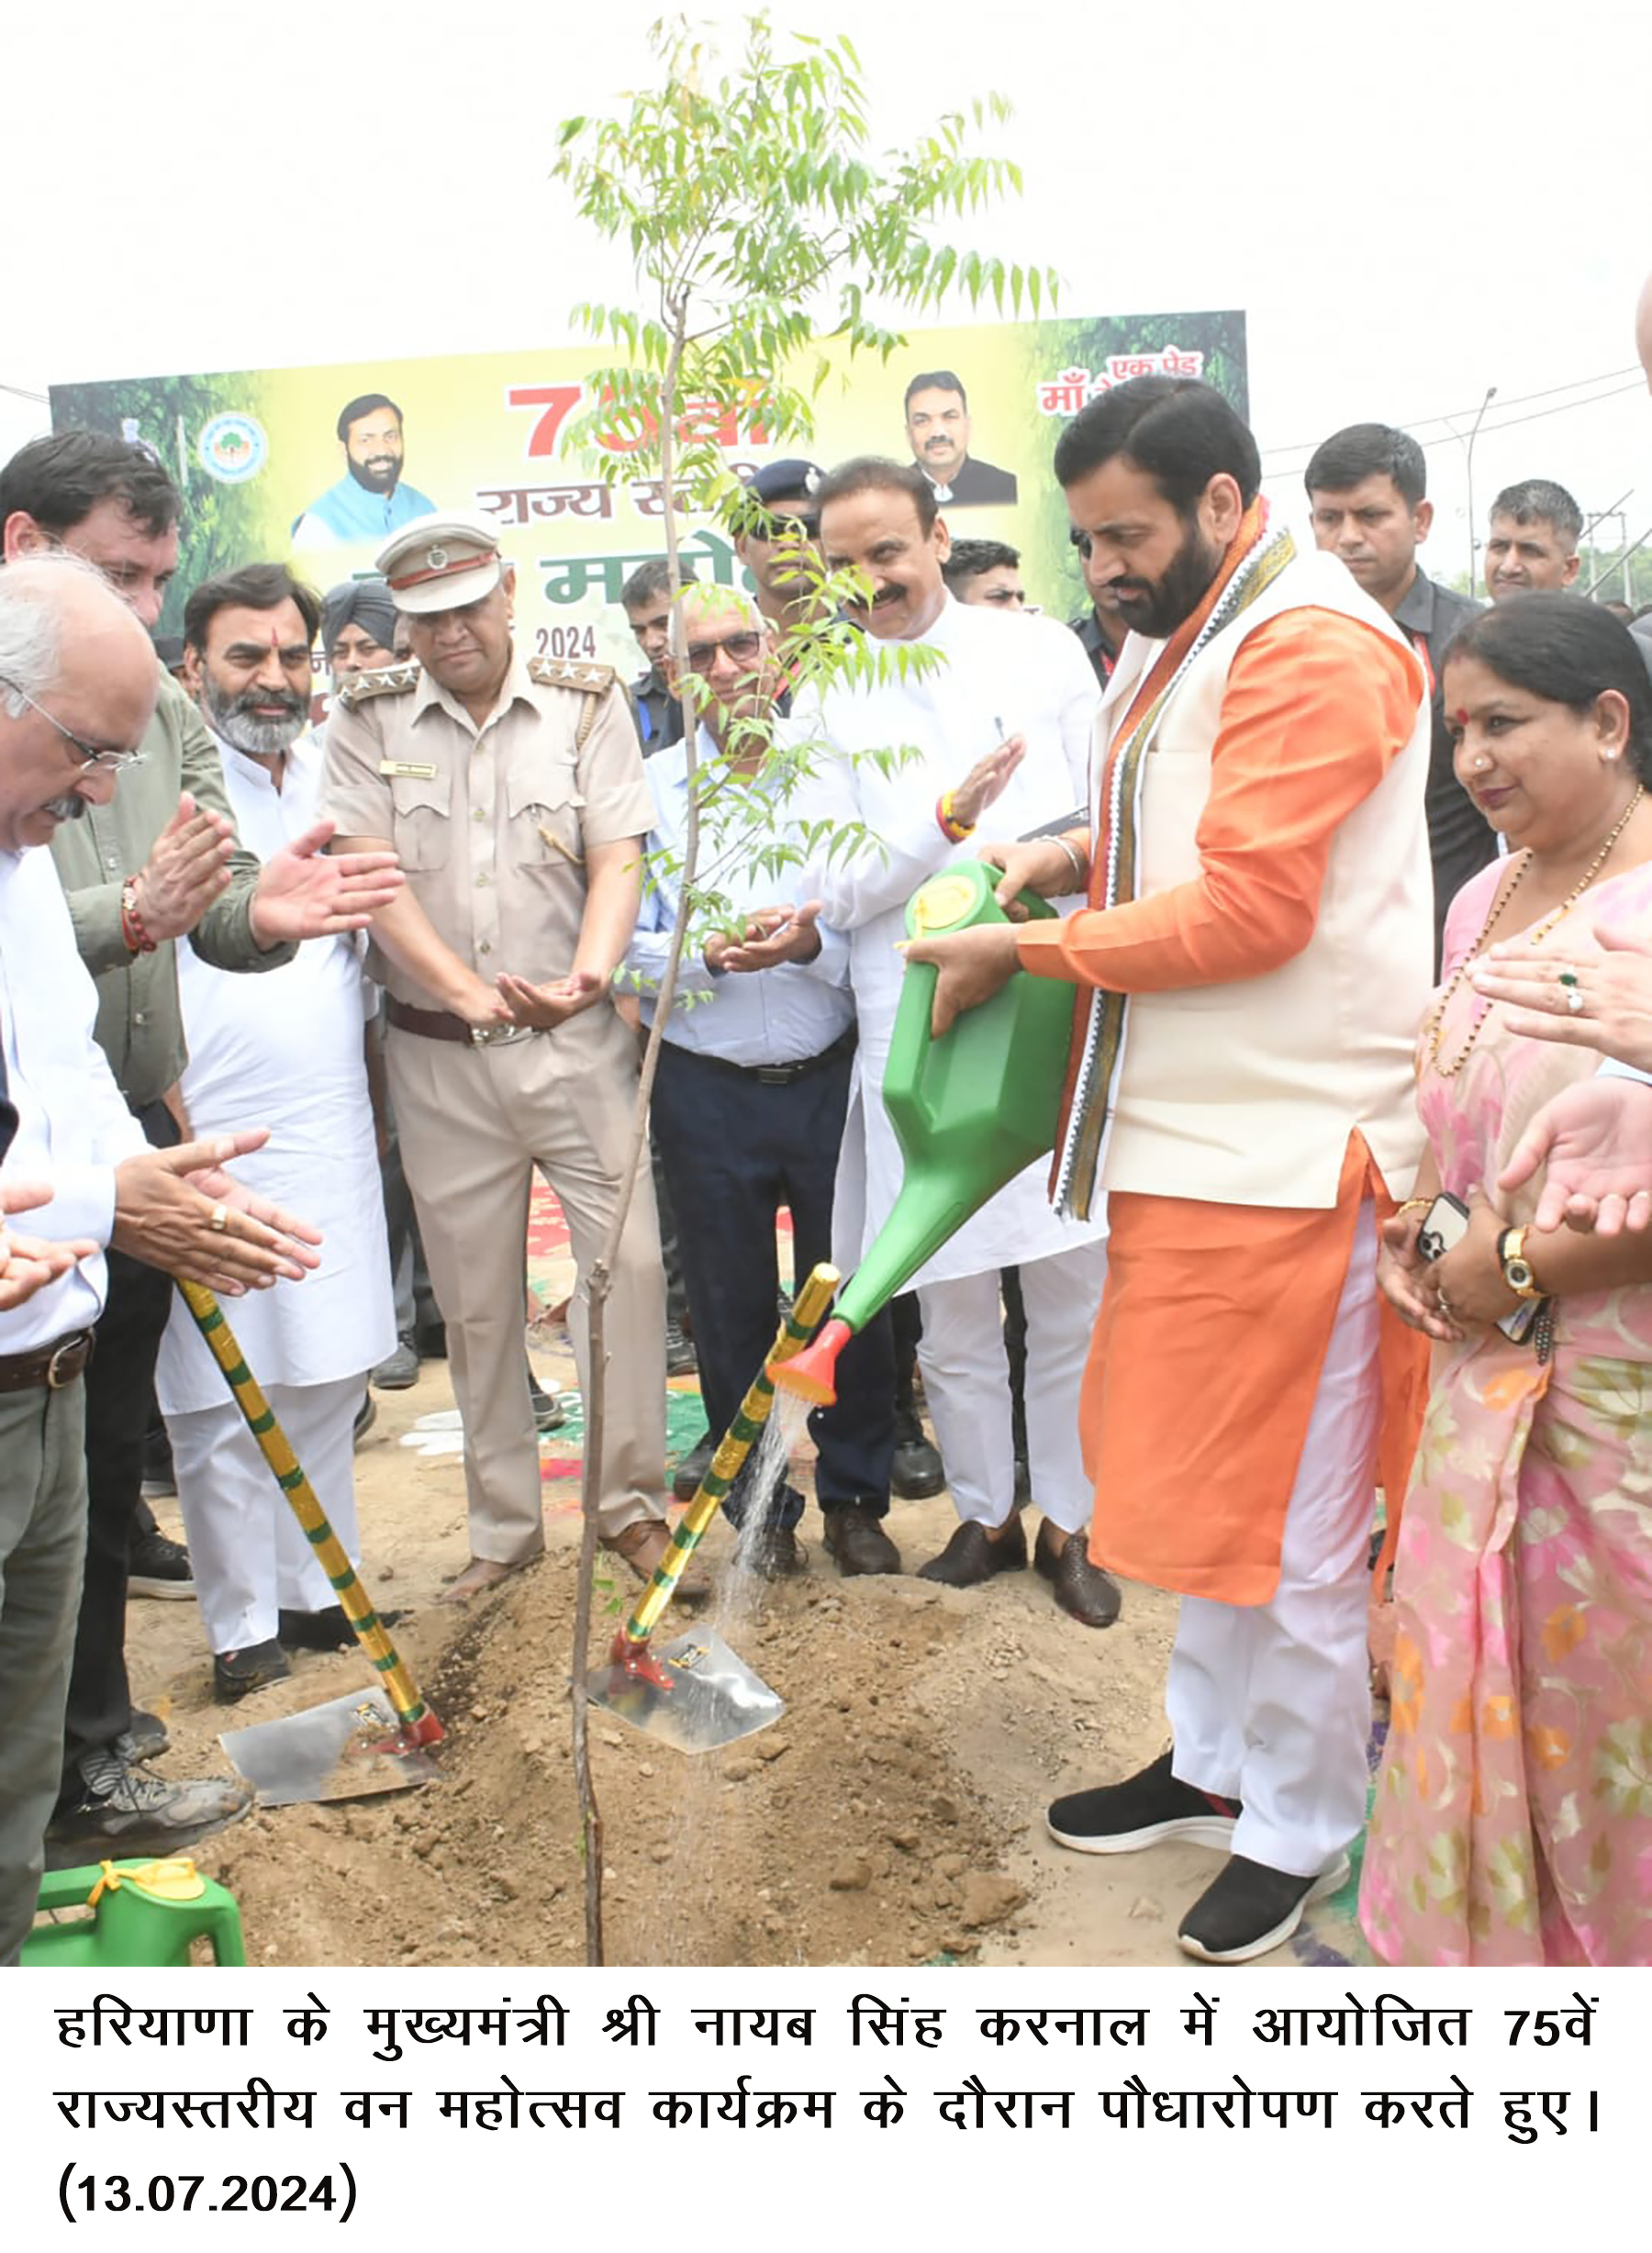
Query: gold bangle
{"x": 1412, "y": 1204}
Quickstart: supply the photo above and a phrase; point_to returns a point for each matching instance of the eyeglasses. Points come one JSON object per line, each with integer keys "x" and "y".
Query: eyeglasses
{"x": 1081, "y": 541}
{"x": 744, "y": 648}
{"x": 89, "y": 754}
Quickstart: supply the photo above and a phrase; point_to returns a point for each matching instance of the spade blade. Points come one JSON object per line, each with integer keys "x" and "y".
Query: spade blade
{"x": 347, "y": 1749}
{"x": 706, "y": 1695}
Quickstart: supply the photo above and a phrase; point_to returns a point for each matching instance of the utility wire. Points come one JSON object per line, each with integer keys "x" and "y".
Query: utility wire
{"x": 1510, "y": 422}
{"x": 17, "y": 392}
{"x": 1521, "y": 399}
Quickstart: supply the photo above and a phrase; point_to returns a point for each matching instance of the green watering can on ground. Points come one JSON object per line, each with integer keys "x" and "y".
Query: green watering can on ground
{"x": 970, "y": 1110}
{"x": 142, "y": 1913}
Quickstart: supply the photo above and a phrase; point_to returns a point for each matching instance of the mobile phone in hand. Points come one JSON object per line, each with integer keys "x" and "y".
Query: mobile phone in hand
{"x": 1444, "y": 1226}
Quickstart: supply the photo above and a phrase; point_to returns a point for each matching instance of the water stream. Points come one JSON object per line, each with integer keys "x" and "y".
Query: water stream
{"x": 682, "y": 1923}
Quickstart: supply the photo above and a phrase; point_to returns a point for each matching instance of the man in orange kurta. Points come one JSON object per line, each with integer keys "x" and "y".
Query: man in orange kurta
{"x": 1259, "y": 890}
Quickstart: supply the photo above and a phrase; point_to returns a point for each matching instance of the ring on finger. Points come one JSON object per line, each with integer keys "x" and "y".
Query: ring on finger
{"x": 1568, "y": 977}
{"x": 220, "y": 1220}
{"x": 1574, "y": 1002}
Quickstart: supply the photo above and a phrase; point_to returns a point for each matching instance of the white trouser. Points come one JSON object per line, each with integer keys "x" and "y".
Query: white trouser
{"x": 1270, "y": 1703}
{"x": 967, "y": 1382}
{"x": 248, "y": 1553}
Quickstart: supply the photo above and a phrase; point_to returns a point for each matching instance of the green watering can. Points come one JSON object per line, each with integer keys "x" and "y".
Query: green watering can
{"x": 970, "y": 1110}
{"x": 142, "y": 1913}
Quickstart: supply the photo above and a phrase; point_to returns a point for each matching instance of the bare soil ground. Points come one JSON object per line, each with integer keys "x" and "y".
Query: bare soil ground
{"x": 892, "y": 1816}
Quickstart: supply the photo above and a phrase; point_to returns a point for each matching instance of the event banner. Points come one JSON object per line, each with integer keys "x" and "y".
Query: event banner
{"x": 268, "y": 472}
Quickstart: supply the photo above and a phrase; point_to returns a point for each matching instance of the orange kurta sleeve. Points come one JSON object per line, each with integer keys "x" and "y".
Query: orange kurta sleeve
{"x": 1317, "y": 707}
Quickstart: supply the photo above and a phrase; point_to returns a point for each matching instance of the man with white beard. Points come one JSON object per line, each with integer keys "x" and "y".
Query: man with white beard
{"x": 294, "y": 1055}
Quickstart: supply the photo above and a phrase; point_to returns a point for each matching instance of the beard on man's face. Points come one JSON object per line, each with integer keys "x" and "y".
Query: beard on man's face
{"x": 259, "y": 734}
{"x": 1157, "y": 607}
{"x": 379, "y": 473}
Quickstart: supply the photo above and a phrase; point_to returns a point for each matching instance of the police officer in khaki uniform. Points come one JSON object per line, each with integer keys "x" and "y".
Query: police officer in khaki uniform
{"x": 513, "y": 792}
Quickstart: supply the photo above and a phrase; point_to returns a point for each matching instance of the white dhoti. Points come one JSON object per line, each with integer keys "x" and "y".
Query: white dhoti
{"x": 1270, "y": 1703}
{"x": 250, "y": 1557}
{"x": 966, "y": 1383}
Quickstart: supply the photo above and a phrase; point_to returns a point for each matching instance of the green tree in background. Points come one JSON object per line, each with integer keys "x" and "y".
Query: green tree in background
{"x": 222, "y": 525}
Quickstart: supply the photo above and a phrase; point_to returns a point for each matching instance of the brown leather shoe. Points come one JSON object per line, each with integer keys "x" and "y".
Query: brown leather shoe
{"x": 1081, "y": 1587}
{"x": 856, "y": 1537}
{"x": 973, "y": 1555}
{"x": 643, "y": 1548}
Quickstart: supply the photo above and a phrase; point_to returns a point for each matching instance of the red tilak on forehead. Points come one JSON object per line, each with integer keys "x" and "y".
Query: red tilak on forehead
{"x": 1461, "y": 716}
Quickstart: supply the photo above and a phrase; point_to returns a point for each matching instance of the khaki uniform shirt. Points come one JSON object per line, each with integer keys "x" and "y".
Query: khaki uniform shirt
{"x": 139, "y": 1024}
{"x": 492, "y": 824}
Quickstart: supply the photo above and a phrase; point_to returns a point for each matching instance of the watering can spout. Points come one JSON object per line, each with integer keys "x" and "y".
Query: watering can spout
{"x": 969, "y": 1110}
{"x": 811, "y": 1375}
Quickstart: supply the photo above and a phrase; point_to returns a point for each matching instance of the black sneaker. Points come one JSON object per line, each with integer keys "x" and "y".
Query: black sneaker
{"x": 121, "y": 1811}
{"x": 143, "y": 1738}
{"x": 366, "y": 1417}
{"x": 159, "y": 1567}
{"x": 1250, "y": 1909}
{"x": 329, "y": 1630}
{"x": 685, "y": 1479}
{"x": 916, "y": 1471}
{"x": 1119, "y": 1818}
{"x": 236, "y": 1674}
{"x": 681, "y": 1360}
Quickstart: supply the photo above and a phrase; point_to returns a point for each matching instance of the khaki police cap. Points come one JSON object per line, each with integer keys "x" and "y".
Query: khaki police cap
{"x": 439, "y": 563}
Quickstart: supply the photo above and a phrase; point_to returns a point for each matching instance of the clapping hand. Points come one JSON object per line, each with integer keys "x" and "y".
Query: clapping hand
{"x": 303, "y": 892}
{"x": 27, "y": 1264}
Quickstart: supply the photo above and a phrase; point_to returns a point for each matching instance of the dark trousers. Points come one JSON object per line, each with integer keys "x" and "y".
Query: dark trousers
{"x": 734, "y": 1152}
{"x": 120, "y": 1379}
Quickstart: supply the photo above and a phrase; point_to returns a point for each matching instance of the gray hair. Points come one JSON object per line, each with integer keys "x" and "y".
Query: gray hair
{"x": 31, "y": 639}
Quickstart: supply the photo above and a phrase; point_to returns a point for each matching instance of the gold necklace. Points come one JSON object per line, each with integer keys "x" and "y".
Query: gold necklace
{"x": 1436, "y": 1027}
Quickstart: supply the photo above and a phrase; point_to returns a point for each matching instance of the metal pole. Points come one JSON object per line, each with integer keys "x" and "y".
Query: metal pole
{"x": 1490, "y": 395}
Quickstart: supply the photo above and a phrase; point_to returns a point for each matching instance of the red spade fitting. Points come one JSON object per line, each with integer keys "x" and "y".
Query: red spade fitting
{"x": 426, "y": 1730}
{"x": 637, "y": 1660}
{"x": 812, "y": 1375}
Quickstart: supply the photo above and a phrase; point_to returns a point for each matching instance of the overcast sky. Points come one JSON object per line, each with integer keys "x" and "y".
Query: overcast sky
{"x": 1411, "y": 202}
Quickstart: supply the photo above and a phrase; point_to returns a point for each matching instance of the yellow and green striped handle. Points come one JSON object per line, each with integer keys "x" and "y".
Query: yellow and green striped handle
{"x": 800, "y": 1325}
{"x": 416, "y": 1718}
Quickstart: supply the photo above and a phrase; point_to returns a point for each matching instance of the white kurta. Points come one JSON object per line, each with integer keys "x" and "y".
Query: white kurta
{"x": 1003, "y": 677}
{"x": 285, "y": 1051}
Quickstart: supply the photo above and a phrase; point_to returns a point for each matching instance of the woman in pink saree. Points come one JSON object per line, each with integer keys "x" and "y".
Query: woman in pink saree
{"x": 1514, "y": 1812}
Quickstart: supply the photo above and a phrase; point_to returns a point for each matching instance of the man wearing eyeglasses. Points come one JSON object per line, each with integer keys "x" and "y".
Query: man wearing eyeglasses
{"x": 143, "y": 866}
{"x": 78, "y": 682}
{"x": 752, "y": 1091}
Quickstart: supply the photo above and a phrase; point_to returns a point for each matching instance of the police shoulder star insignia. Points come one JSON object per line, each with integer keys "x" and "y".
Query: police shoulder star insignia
{"x": 387, "y": 681}
{"x": 564, "y": 673}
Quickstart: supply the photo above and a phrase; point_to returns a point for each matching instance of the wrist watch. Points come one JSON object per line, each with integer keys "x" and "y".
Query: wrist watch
{"x": 1516, "y": 1267}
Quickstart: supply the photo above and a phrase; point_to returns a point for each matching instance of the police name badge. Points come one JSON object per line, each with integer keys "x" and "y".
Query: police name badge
{"x": 408, "y": 770}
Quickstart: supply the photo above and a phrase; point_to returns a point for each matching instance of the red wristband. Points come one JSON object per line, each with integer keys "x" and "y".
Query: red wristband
{"x": 138, "y": 941}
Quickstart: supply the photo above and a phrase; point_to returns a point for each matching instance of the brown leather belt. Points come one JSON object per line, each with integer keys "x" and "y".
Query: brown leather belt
{"x": 51, "y": 1366}
{"x": 442, "y": 1025}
